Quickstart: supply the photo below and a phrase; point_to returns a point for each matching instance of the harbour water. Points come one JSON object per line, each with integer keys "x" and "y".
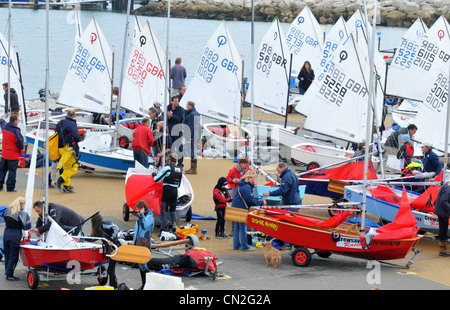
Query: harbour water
{"x": 187, "y": 38}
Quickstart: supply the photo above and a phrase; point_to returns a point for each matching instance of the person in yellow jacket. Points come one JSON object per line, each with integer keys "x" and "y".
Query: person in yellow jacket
{"x": 69, "y": 150}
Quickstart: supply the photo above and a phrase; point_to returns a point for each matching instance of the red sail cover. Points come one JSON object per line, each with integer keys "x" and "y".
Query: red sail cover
{"x": 350, "y": 171}
{"x": 404, "y": 224}
{"x": 425, "y": 202}
{"x": 143, "y": 187}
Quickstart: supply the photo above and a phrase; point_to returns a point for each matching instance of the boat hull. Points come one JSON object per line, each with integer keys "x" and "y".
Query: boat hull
{"x": 220, "y": 137}
{"x": 318, "y": 155}
{"x": 321, "y": 239}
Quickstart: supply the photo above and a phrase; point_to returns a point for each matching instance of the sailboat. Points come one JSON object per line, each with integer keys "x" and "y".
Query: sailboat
{"x": 57, "y": 251}
{"x": 216, "y": 91}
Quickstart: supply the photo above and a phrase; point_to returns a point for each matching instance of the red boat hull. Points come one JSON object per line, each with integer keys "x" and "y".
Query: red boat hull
{"x": 343, "y": 240}
{"x": 88, "y": 258}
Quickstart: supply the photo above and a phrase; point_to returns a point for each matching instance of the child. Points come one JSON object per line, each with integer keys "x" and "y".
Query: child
{"x": 221, "y": 198}
{"x": 405, "y": 152}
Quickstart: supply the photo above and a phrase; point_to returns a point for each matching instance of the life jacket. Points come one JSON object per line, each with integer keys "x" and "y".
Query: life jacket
{"x": 174, "y": 178}
{"x": 416, "y": 166}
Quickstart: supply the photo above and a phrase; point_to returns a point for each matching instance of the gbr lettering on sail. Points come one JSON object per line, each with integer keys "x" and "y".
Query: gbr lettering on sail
{"x": 211, "y": 61}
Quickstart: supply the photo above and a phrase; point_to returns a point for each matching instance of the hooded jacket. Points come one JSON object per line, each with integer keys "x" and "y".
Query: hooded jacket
{"x": 236, "y": 172}
{"x": 244, "y": 199}
{"x": 14, "y": 100}
{"x": 220, "y": 194}
{"x": 442, "y": 206}
{"x": 143, "y": 139}
{"x": 288, "y": 189}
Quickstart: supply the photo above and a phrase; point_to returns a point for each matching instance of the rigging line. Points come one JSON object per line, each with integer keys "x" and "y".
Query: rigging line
{"x": 11, "y": 59}
{"x": 232, "y": 58}
{"x": 103, "y": 52}
{"x": 160, "y": 63}
{"x": 282, "y": 51}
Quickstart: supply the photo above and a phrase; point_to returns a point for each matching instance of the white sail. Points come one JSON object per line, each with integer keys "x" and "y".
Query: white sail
{"x": 14, "y": 72}
{"x": 340, "y": 95}
{"x": 334, "y": 39}
{"x": 216, "y": 85}
{"x": 419, "y": 58}
{"x": 144, "y": 74}
{"x": 305, "y": 40}
{"x": 432, "y": 115}
{"x": 87, "y": 85}
{"x": 272, "y": 71}
{"x": 31, "y": 173}
{"x": 356, "y": 25}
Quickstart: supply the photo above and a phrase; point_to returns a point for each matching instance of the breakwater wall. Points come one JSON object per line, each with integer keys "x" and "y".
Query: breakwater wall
{"x": 392, "y": 13}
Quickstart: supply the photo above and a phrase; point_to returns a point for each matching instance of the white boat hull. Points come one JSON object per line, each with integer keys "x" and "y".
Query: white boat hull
{"x": 315, "y": 155}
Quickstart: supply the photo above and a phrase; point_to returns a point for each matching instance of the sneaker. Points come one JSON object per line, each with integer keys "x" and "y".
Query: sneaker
{"x": 11, "y": 190}
{"x": 218, "y": 236}
{"x": 222, "y": 235}
{"x": 68, "y": 189}
{"x": 250, "y": 249}
{"x": 12, "y": 278}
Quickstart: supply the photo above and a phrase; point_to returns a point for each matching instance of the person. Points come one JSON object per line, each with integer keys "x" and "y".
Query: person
{"x": 405, "y": 152}
{"x": 288, "y": 190}
{"x": 305, "y": 77}
{"x": 175, "y": 116}
{"x": 16, "y": 220}
{"x": 157, "y": 147}
{"x": 442, "y": 210}
{"x": 178, "y": 75}
{"x": 193, "y": 121}
{"x": 65, "y": 217}
{"x": 237, "y": 172}
{"x": 13, "y": 145}
{"x": 13, "y": 100}
{"x": 171, "y": 177}
{"x": 430, "y": 162}
{"x": 143, "y": 228}
{"x": 68, "y": 139}
{"x": 221, "y": 197}
{"x": 153, "y": 113}
{"x": 109, "y": 231}
{"x": 393, "y": 142}
{"x": 182, "y": 91}
{"x": 244, "y": 199}
{"x": 142, "y": 142}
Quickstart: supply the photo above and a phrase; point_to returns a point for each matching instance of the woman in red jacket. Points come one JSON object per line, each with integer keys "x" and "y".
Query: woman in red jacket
{"x": 221, "y": 198}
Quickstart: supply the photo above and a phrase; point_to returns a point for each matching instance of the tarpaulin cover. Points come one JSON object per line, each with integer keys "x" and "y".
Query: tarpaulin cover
{"x": 143, "y": 187}
{"x": 426, "y": 201}
{"x": 404, "y": 224}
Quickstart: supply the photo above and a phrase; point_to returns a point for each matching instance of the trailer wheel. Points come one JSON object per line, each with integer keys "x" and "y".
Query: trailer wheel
{"x": 102, "y": 275}
{"x": 188, "y": 216}
{"x": 334, "y": 210}
{"x": 312, "y": 165}
{"x": 32, "y": 279}
{"x": 124, "y": 142}
{"x": 126, "y": 212}
{"x": 193, "y": 242}
{"x": 301, "y": 257}
{"x": 296, "y": 162}
{"x": 323, "y": 254}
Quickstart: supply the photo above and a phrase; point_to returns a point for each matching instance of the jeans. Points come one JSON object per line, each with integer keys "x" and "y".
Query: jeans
{"x": 443, "y": 228}
{"x": 301, "y": 91}
{"x": 141, "y": 157}
{"x": 10, "y": 167}
{"x": 11, "y": 243}
{"x": 220, "y": 224}
{"x": 240, "y": 237}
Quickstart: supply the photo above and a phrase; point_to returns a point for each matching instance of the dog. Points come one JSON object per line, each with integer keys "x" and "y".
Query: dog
{"x": 272, "y": 255}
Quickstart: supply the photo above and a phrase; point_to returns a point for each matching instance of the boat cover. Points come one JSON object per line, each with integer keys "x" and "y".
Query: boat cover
{"x": 143, "y": 187}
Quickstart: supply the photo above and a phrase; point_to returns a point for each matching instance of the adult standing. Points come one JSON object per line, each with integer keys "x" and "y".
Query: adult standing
{"x": 13, "y": 100}
{"x": 143, "y": 228}
{"x": 305, "y": 77}
{"x": 13, "y": 145}
{"x": 393, "y": 142}
{"x": 175, "y": 119}
{"x": 171, "y": 177}
{"x": 153, "y": 113}
{"x": 178, "y": 75}
{"x": 68, "y": 149}
{"x": 193, "y": 121}
{"x": 182, "y": 91}
{"x": 244, "y": 199}
{"x": 442, "y": 210}
{"x": 65, "y": 217}
{"x": 289, "y": 186}
{"x": 109, "y": 231}
{"x": 142, "y": 142}
{"x": 16, "y": 220}
{"x": 237, "y": 172}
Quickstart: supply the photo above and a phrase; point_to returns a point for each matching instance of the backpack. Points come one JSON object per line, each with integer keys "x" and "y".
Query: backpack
{"x": 53, "y": 148}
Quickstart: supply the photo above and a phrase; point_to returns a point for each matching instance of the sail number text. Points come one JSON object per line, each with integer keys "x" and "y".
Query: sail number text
{"x": 83, "y": 63}
{"x": 428, "y": 53}
{"x": 210, "y": 62}
{"x": 267, "y": 57}
{"x": 296, "y": 38}
{"x": 437, "y": 98}
{"x": 139, "y": 69}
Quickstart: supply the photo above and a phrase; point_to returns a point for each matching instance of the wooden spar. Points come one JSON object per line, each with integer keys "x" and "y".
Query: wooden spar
{"x": 131, "y": 254}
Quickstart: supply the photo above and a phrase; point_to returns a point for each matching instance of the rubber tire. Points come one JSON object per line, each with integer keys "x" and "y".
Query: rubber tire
{"x": 193, "y": 241}
{"x": 124, "y": 142}
{"x": 312, "y": 165}
{"x": 296, "y": 162}
{"x": 323, "y": 254}
{"x": 333, "y": 212}
{"x": 126, "y": 212}
{"x": 102, "y": 280}
{"x": 301, "y": 257}
{"x": 32, "y": 279}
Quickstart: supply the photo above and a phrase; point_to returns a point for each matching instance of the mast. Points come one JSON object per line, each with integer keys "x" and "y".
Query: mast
{"x": 9, "y": 56}
{"x": 47, "y": 75}
{"x": 166, "y": 93}
{"x": 252, "y": 109}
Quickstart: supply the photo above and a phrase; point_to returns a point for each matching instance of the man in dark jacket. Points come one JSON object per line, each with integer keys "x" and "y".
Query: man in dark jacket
{"x": 393, "y": 142}
{"x": 68, "y": 149}
{"x": 14, "y": 100}
{"x": 430, "y": 161}
{"x": 175, "y": 116}
{"x": 193, "y": 121}
{"x": 289, "y": 186}
{"x": 442, "y": 210}
{"x": 65, "y": 218}
{"x": 13, "y": 144}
